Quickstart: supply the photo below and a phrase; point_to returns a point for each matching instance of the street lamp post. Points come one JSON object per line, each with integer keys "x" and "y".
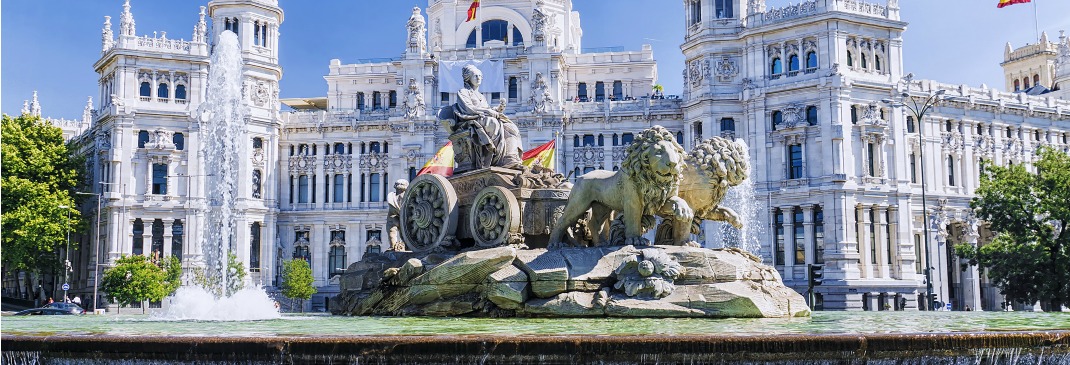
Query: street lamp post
{"x": 67, "y": 254}
{"x": 96, "y": 240}
{"x": 919, "y": 106}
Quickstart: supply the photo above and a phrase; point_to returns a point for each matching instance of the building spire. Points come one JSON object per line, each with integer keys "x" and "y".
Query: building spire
{"x": 200, "y": 30}
{"x": 35, "y": 106}
{"x": 126, "y": 21}
{"x": 107, "y": 38}
{"x": 25, "y": 107}
{"x": 87, "y": 113}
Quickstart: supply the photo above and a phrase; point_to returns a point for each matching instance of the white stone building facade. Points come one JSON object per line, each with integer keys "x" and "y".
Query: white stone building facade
{"x": 837, "y": 174}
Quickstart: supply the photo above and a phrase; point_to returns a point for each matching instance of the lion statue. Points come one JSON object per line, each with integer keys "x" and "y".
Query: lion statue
{"x": 709, "y": 170}
{"x": 647, "y": 185}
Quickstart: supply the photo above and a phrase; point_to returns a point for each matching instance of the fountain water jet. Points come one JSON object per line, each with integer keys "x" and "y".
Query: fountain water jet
{"x": 222, "y": 119}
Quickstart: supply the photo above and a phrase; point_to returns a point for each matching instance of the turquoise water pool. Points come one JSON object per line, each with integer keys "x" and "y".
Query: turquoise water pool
{"x": 324, "y": 325}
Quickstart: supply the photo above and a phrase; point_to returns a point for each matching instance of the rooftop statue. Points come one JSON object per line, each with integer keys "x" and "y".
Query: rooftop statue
{"x": 482, "y": 136}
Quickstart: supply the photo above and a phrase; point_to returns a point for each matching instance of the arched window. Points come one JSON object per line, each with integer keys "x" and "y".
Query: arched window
{"x": 877, "y": 62}
{"x": 377, "y": 103}
{"x": 776, "y": 68}
{"x": 811, "y": 60}
{"x": 582, "y": 91}
{"x": 626, "y": 139}
{"x": 180, "y": 92}
{"x": 601, "y": 141}
{"x": 471, "y": 43}
{"x": 728, "y": 125}
{"x": 778, "y": 118}
{"x": 865, "y": 61}
{"x": 339, "y": 149}
{"x": 850, "y": 59}
{"x": 616, "y": 139}
{"x": 514, "y": 88}
{"x": 393, "y": 99}
{"x": 162, "y": 90}
{"x": 1036, "y": 80}
{"x": 157, "y": 238}
{"x": 360, "y": 101}
{"x": 910, "y": 125}
{"x": 1017, "y": 85}
{"x": 145, "y": 90}
{"x": 576, "y": 141}
{"x": 495, "y": 30}
{"x": 680, "y": 137}
{"x": 179, "y": 140}
{"x": 374, "y": 147}
{"x": 142, "y": 138}
{"x": 1026, "y": 83}
{"x": 518, "y": 38}
{"x": 793, "y": 63}
{"x": 811, "y": 115}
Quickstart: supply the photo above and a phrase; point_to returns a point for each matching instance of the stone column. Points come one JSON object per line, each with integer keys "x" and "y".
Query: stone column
{"x": 896, "y": 268}
{"x": 864, "y": 252}
{"x": 971, "y": 278}
{"x": 882, "y": 242}
{"x": 167, "y": 236}
{"x": 874, "y": 301}
{"x": 788, "y": 244}
{"x": 808, "y": 229}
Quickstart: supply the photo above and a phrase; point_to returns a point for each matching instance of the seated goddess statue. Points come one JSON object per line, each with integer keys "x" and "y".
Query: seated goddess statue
{"x": 485, "y": 136}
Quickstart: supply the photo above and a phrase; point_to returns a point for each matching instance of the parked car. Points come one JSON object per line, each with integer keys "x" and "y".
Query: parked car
{"x": 71, "y": 307}
{"x": 44, "y": 311}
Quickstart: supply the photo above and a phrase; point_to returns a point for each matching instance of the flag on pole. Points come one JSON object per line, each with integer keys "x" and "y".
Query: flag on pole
{"x": 442, "y": 163}
{"x": 541, "y": 156}
{"x": 1002, "y": 3}
{"x": 472, "y": 10}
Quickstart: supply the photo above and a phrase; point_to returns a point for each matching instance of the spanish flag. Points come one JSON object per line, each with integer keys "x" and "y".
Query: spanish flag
{"x": 442, "y": 163}
{"x": 1002, "y": 3}
{"x": 475, "y": 6}
{"x": 541, "y": 156}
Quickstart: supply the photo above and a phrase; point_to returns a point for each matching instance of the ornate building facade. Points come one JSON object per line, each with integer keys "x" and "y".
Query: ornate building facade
{"x": 837, "y": 174}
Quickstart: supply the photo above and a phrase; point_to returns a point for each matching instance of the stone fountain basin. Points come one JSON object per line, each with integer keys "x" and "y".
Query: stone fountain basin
{"x": 1043, "y": 347}
{"x": 571, "y": 282}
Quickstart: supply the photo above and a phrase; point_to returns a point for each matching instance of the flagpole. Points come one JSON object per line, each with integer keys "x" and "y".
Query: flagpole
{"x": 1036, "y": 21}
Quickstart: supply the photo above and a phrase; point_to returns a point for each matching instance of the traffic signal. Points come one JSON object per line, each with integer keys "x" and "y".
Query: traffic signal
{"x": 815, "y": 274}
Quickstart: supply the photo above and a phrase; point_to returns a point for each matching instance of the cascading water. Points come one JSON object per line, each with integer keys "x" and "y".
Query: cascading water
{"x": 224, "y": 296}
{"x": 741, "y": 199}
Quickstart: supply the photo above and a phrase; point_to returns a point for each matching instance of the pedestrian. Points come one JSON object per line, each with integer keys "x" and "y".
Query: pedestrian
{"x": 77, "y": 300}
{"x": 50, "y": 301}
{"x": 968, "y": 309}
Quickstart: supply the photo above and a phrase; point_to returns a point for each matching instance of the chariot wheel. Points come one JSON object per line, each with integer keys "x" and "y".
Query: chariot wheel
{"x": 428, "y": 213}
{"x": 494, "y": 218}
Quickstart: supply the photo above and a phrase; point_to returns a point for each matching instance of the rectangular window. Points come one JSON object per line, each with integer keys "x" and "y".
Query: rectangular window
{"x": 349, "y": 189}
{"x": 363, "y": 184}
{"x": 302, "y": 189}
{"x": 951, "y": 171}
{"x": 778, "y": 243}
{"x": 795, "y": 160}
{"x": 618, "y": 90}
{"x": 696, "y": 12}
{"x": 177, "y": 231}
{"x": 910, "y": 125}
{"x": 854, "y": 114}
{"x": 377, "y": 102}
{"x": 254, "y": 246}
{"x": 588, "y": 140}
{"x": 339, "y": 185}
{"x": 799, "y": 236}
{"x": 599, "y": 91}
{"x": 159, "y": 178}
{"x": 888, "y": 237}
{"x": 819, "y": 235}
{"x": 873, "y": 236}
{"x": 871, "y": 161}
{"x": 444, "y": 98}
{"x": 374, "y": 187}
{"x": 582, "y": 93}
{"x": 291, "y": 189}
{"x": 393, "y": 99}
{"x": 514, "y": 89}
{"x": 360, "y": 101}
{"x": 913, "y": 168}
{"x": 724, "y": 9}
{"x": 313, "y": 188}
{"x": 139, "y": 237}
{"x": 494, "y": 97}
{"x": 918, "y": 261}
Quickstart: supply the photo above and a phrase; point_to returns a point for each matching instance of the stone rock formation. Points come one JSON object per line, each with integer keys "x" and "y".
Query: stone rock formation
{"x": 621, "y": 281}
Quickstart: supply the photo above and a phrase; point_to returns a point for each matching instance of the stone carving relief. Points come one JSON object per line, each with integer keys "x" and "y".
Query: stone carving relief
{"x": 649, "y": 273}
{"x": 260, "y": 93}
{"x": 726, "y": 68}
{"x": 414, "y": 100}
{"x": 374, "y": 161}
{"x": 160, "y": 140}
{"x": 538, "y": 22}
{"x": 792, "y": 116}
{"x": 871, "y": 114}
{"x": 436, "y": 36}
{"x": 541, "y": 99}
{"x": 790, "y": 11}
{"x": 695, "y": 72}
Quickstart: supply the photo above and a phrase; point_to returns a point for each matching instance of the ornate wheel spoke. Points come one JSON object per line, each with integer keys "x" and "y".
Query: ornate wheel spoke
{"x": 429, "y": 212}
{"x": 494, "y": 217}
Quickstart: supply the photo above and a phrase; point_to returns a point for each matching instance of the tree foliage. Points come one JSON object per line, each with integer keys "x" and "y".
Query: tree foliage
{"x": 297, "y": 280}
{"x": 134, "y": 279}
{"x": 38, "y": 176}
{"x": 1029, "y": 260}
{"x": 214, "y": 283}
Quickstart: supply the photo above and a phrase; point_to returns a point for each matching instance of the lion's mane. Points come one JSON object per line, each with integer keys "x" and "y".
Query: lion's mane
{"x": 654, "y": 189}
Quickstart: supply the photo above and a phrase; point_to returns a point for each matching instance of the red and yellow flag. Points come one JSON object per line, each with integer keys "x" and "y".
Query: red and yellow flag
{"x": 541, "y": 156}
{"x": 1002, "y": 3}
{"x": 472, "y": 11}
{"x": 441, "y": 164}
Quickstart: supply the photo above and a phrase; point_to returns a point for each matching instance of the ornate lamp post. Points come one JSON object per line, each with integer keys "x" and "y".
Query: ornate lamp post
{"x": 67, "y": 253}
{"x": 919, "y": 105}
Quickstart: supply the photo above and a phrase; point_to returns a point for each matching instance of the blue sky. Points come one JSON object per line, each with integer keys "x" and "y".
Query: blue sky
{"x": 50, "y": 45}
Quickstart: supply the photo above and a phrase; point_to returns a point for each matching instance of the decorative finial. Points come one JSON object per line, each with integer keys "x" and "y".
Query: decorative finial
{"x": 126, "y": 21}
{"x": 200, "y": 30}
{"x": 35, "y": 106}
{"x": 87, "y": 113}
{"x": 25, "y": 107}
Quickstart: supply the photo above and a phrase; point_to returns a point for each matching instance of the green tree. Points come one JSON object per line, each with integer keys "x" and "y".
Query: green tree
{"x": 214, "y": 284}
{"x": 297, "y": 281}
{"x": 38, "y": 176}
{"x": 1029, "y": 260}
{"x": 135, "y": 279}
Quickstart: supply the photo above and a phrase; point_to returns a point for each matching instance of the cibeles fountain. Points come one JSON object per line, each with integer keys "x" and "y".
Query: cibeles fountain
{"x": 499, "y": 239}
